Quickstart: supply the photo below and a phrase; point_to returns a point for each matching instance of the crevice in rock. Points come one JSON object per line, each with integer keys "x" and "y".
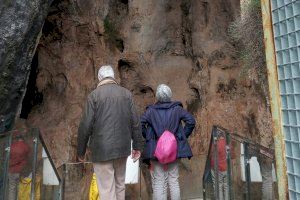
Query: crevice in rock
{"x": 194, "y": 104}
{"x": 136, "y": 27}
{"x": 56, "y": 7}
{"x": 227, "y": 8}
{"x": 113, "y": 22}
{"x": 217, "y": 55}
{"x": 146, "y": 89}
{"x": 124, "y": 1}
{"x": 50, "y": 30}
{"x": 123, "y": 65}
{"x": 52, "y": 25}
{"x": 186, "y": 35}
{"x": 129, "y": 76}
{"x": 120, "y": 45}
{"x": 168, "y": 7}
{"x": 32, "y": 97}
{"x": 60, "y": 82}
{"x": 252, "y": 126}
{"x": 227, "y": 90}
{"x": 199, "y": 67}
{"x": 205, "y": 6}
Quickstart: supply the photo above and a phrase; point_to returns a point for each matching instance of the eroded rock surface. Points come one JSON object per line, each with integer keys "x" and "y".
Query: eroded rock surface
{"x": 183, "y": 43}
{"x": 20, "y": 23}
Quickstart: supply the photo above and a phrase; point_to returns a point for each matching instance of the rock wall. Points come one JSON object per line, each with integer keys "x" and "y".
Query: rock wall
{"x": 20, "y": 24}
{"x": 183, "y": 43}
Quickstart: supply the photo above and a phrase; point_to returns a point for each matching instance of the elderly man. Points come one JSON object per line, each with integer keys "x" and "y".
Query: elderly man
{"x": 110, "y": 122}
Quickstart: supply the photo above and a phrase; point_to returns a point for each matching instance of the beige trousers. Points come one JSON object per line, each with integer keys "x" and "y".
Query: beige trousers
{"x": 162, "y": 176}
{"x": 111, "y": 178}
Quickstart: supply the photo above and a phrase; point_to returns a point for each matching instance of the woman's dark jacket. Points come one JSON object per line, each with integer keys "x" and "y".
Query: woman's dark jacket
{"x": 167, "y": 116}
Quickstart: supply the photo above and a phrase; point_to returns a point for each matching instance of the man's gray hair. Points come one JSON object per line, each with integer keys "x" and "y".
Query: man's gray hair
{"x": 105, "y": 71}
{"x": 163, "y": 93}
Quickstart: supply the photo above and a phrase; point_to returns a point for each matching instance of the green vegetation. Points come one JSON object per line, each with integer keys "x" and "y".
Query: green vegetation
{"x": 247, "y": 33}
{"x": 109, "y": 28}
{"x": 111, "y": 34}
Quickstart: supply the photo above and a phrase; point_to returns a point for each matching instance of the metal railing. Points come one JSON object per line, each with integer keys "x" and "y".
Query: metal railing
{"x": 73, "y": 178}
{"x": 23, "y": 155}
{"x": 68, "y": 172}
{"x": 222, "y": 180}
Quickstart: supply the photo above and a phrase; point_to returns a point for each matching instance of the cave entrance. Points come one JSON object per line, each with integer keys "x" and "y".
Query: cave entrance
{"x": 32, "y": 96}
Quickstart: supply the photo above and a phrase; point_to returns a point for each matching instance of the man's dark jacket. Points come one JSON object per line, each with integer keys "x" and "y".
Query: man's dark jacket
{"x": 167, "y": 116}
{"x": 110, "y": 122}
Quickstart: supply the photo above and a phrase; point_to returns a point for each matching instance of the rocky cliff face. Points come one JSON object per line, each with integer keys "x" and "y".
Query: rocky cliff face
{"x": 20, "y": 24}
{"x": 183, "y": 43}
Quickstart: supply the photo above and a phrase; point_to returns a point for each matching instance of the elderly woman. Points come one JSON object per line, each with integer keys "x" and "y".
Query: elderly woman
{"x": 166, "y": 115}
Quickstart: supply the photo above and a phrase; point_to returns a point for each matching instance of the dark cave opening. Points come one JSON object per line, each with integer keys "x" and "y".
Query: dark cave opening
{"x": 123, "y": 64}
{"x": 146, "y": 89}
{"x": 50, "y": 29}
{"x": 120, "y": 45}
{"x": 32, "y": 97}
{"x": 124, "y": 1}
{"x": 126, "y": 70}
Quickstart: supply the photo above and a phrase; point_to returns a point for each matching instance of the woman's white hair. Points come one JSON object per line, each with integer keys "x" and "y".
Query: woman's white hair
{"x": 105, "y": 71}
{"x": 163, "y": 93}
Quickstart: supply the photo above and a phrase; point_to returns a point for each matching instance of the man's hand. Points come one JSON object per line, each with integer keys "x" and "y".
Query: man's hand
{"x": 135, "y": 155}
{"x": 81, "y": 158}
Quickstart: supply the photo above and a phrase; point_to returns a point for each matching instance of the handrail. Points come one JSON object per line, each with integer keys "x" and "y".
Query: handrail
{"x": 77, "y": 163}
{"x": 269, "y": 152}
{"x": 218, "y": 131}
{"x": 6, "y": 165}
{"x": 49, "y": 156}
{"x": 37, "y": 137}
{"x": 5, "y": 134}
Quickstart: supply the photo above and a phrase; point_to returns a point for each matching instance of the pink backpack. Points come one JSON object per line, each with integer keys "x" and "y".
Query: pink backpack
{"x": 166, "y": 148}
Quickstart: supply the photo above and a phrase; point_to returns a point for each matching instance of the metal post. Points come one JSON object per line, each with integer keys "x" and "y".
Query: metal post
{"x": 140, "y": 173}
{"x": 60, "y": 191}
{"x": 247, "y": 170}
{"x": 6, "y": 166}
{"x": 204, "y": 190}
{"x": 63, "y": 182}
{"x": 216, "y": 163}
{"x": 228, "y": 158}
{"x": 34, "y": 161}
{"x": 275, "y": 101}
